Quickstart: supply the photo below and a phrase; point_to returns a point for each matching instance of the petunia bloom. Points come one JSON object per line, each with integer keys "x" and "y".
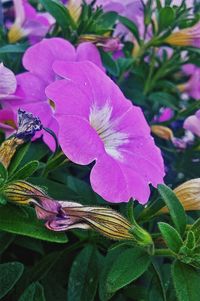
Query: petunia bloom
{"x": 29, "y": 23}
{"x": 192, "y": 123}
{"x": 191, "y": 87}
{"x": 38, "y": 60}
{"x": 8, "y": 82}
{"x": 97, "y": 123}
{"x": 185, "y": 37}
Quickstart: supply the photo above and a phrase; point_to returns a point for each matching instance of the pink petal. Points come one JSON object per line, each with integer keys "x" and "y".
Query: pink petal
{"x": 78, "y": 140}
{"x": 88, "y": 51}
{"x": 192, "y": 123}
{"x": 116, "y": 183}
{"x": 70, "y": 100}
{"x": 8, "y": 82}
{"x": 39, "y": 58}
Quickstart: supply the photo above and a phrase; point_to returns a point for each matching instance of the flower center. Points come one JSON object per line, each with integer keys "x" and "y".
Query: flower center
{"x": 101, "y": 120}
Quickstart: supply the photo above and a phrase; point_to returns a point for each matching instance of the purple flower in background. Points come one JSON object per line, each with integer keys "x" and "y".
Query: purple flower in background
{"x": 8, "y": 83}
{"x": 165, "y": 114}
{"x": 29, "y": 23}
{"x": 8, "y": 122}
{"x": 97, "y": 123}
{"x": 38, "y": 60}
{"x": 192, "y": 86}
{"x": 192, "y": 123}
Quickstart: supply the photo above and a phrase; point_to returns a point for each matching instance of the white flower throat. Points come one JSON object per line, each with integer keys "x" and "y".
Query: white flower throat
{"x": 100, "y": 120}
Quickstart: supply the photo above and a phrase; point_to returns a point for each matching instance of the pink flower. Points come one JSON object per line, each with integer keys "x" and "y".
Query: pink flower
{"x": 7, "y": 122}
{"x": 192, "y": 123}
{"x": 8, "y": 82}
{"x": 192, "y": 86}
{"x": 97, "y": 123}
{"x": 38, "y": 60}
{"x": 29, "y": 23}
{"x": 165, "y": 114}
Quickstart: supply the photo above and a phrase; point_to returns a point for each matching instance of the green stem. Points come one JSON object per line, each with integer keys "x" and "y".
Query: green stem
{"x": 164, "y": 252}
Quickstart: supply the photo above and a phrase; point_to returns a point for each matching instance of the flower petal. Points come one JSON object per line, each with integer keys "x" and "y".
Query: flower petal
{"x": 39, "y": 58}
{"x": 78, "y": 140}
{"x": 88, "y": 51}
{"x": 8, "y": 81}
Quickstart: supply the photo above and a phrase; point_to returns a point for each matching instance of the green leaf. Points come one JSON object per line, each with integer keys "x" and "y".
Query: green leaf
{"x": 83, "y": 278}
{"x": 171, "y": 237}
{"x": 130, "y": 25}
{"x": 164, "y": 99}
{"x": 5, "y": 240}
{"x": 165, "y": 18}
{"x": 60, "y": 13}
{"x": 3, "y": 174}
{"x": 26, "y": 171}
{"x": 186, "y": 281}
{"x": 18, "y": 48}
{"x": 24, "y": 222}
{"x": 9, "y": 275}
{"x": 110, "y": 64}
{"x": 16, "y": 160}
{"x": 127, "y": 267}
{"x": 108, "y": 19}
{"x": 34, "y": 292}
{"x": 176, "y": 209}
{"x": 54, "y": 189}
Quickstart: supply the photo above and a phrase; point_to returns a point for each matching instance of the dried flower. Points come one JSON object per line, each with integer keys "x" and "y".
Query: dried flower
{"x": 188, "y": 194}
{"x": 62, "y": 216}
{"x": 106, "y": 42}
{"x": 22, "y": 192}
{"x": 162, "y": 132}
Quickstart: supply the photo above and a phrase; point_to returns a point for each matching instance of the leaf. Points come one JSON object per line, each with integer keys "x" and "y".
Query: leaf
{"x": 83, "y": 278}
{"x": 18, "y": 48}
{"x": 9, "y": 274}
{"x": 109, "y": 63}
{"x": 34, "y": 292}
{"x": 108, "y": 19}
{"x": 60, "y": 13}
{"x": 54, "y": 189}
{"x": 171, "y": 237}
{"x": 5, "y": 240}
{"x": 176, "y": 209}
{"x": 127, "y": 267}
{"x": 25, "y": 222}
{"x": 26, "y": 171}
{"x": 130, "y": 25}
{"x": 165, "y": 18}
{"x": 16, "y": 160}
{"x": 186, "y": 281}
{"x": 165, "y": 99}
{"x": 3, "y": 174}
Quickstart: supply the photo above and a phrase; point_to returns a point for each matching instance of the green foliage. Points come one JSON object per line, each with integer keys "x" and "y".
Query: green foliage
{"x": 175, "y": 208}
{"x": 24, "y": 222}
{"x": 34, "y": 292}
{"x": 59, "y": 12}
{"x": 9, "y": 275}
{"x": 127, "y": 267}
{"x": 186, "y": 282}
{"x": 171, "y": 237}
{"x": 83, "y": 278}
{"x": 166, "y": 18}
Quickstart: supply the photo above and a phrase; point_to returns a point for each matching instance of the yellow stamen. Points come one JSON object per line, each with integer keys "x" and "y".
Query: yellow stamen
{"x": 15, "y": 34}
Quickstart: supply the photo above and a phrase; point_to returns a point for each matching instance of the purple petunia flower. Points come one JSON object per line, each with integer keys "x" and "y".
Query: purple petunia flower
{"x": 192, "y": 123}
{"x": 8, "y": 83}
{"x": 192, "y": 86}
{"x": 38, "y": 60}
{"x": 29, "y": 23}
{"x": 97, "y": 123}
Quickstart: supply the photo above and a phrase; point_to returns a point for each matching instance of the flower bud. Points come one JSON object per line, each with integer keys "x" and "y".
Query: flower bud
{"x": 188, "y": 194}
{"x": 162, "y": 132}
{"x": 185, "y": 37}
